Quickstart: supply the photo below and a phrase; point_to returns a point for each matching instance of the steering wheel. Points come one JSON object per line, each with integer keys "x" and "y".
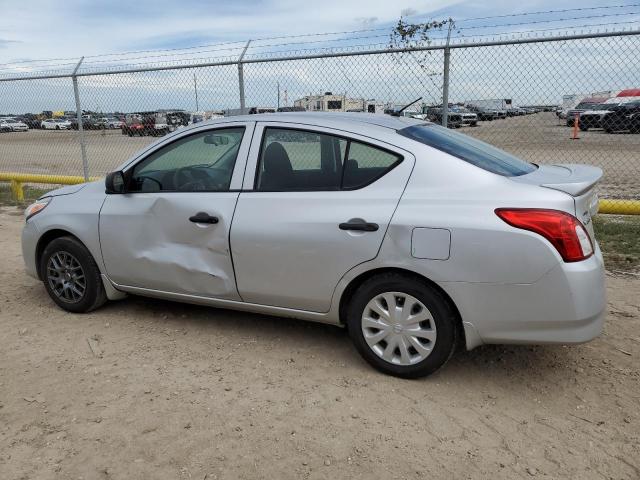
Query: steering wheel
{"x": 191, "y": 178}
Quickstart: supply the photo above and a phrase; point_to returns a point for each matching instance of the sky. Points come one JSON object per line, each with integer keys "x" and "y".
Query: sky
{"x": 42, "y": 29}
{"x": 63, "y": 31}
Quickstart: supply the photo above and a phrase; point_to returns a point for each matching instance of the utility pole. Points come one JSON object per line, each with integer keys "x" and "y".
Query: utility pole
{"x": 241, "y": 78}
{"x": 83, "y": 147}
{"x": 195, "y": 88}
{"x": 445, "y": 79}
{"x": 278, "y": 95}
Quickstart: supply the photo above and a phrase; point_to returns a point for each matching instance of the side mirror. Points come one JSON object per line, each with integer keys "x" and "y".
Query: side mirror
{"x": 114, "y": 183}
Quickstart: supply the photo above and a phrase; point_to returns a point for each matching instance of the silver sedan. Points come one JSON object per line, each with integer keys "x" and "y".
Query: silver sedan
{"x": 414, "y": 237}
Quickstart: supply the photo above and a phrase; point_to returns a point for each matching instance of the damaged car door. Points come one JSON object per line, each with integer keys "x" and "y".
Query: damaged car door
{"x": 168, "y": 230}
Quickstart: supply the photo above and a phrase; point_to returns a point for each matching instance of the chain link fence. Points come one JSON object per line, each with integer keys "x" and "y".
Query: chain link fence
{"x": 571, "y": 99}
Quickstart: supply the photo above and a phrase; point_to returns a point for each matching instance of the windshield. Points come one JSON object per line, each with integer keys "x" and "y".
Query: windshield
{"x": 604, "y": 106}
{"x": 587, "y": 106}
{"x": 470, "y": 150}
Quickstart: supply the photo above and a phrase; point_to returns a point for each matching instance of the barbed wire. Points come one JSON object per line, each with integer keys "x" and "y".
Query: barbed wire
{"x": 196, "y": 56}
{"x": 240, "y": 43}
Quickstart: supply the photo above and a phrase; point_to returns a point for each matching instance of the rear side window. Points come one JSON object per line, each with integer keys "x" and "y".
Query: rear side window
{"x": 302, "y": 160}
{"x": 366, "y": 164}
{"x": 470, "y": 150}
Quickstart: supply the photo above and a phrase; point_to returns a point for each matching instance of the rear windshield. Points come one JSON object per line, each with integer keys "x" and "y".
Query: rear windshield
{"x": 468, "y": 149}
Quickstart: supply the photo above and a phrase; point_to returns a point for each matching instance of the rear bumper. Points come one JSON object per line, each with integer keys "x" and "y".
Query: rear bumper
{"x": 567, "y": 305}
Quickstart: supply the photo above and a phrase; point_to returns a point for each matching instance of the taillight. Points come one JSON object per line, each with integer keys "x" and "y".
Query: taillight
{"x": 564, "y": 231}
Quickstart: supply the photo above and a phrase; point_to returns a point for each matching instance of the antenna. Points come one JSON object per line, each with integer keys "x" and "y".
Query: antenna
{"x": 397, "y": 114}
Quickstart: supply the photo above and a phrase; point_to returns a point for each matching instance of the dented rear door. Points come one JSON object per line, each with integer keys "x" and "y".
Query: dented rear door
{"x": 148, "y": 240}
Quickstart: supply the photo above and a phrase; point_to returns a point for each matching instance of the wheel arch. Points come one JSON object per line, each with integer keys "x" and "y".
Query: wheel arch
{"x": 45, "y": 239}
{"x": 353, "y": 285}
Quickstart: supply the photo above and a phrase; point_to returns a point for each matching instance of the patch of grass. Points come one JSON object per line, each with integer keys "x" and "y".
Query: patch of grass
{"x": 619, "y": 238}
{"x": 30, "y": 194}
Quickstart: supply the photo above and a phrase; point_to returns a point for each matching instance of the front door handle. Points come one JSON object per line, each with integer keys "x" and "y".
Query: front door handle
{"x": 359, "y": 225}
{"x": 203, "y": 217}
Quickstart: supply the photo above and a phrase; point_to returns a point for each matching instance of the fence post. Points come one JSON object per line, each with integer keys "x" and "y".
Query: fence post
{"x": 445, "y": 79}
{"x": 83, "y": 147}
{"x": 241, "y": 78}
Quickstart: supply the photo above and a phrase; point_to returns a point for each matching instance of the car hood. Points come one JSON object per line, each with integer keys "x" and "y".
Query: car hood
{"x": 68, "y": 190}
{"x": 595, "y": 112}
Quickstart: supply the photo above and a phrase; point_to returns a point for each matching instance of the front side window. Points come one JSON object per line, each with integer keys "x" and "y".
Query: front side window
{"x": 300, "y": 160}
{"x": 200, "y": 162}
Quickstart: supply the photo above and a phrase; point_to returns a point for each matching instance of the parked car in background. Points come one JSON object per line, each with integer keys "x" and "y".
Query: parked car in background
{"x": 516, "y": 112}
{"x": 109, "y": 123}
{"x": 13, "y": 125}
{"x": 4, "y": 128}
{"x": 483, "y": 113}
{"x": 592, "y": 118}
{"x": 468, "y": 118}
{"x": 56, "y": 124}
{"x": 88, "y": 123}
{"x": 435, "y": 114}
{"x": 586, "y": 104}
{"x": 145, "y": 123}
{"x": 418, "y": 238}
{"x": 32, "y": 121}
{"x": 623, "y": 117}
{"x": 501, "y": 114}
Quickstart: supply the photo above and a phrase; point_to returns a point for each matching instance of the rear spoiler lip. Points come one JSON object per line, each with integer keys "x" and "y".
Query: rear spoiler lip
{"x": 581, "y": 179}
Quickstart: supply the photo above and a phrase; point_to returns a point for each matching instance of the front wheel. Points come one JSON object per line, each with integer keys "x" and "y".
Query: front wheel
{"x": 402, "y": 326}
{"x": 71, "y": 277}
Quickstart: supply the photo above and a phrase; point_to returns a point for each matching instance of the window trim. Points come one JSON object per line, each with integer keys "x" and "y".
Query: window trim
{"x": 341, "y": 188}
{"x": 128, "y": 171}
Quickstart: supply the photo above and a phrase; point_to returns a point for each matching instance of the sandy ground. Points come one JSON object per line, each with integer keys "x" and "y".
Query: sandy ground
{"x": 540, "y": 138}
{"x": 171, "y": 391}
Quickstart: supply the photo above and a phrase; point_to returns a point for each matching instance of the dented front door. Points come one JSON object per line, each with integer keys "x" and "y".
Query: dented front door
{"x": 159, "y": 236}
{"x": 149, "y": 242}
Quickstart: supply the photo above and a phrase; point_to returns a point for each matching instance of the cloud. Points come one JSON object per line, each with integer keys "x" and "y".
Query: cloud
{"x": 408, "y": 12}
{"x": 4, "y": 43}
{"x": 89, "y": 28}
{"x": 366, "y": 22}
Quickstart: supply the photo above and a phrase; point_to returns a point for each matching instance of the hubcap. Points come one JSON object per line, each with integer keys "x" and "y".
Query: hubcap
{"x": 66, "y": 277}
{"x": 399, "y": 328}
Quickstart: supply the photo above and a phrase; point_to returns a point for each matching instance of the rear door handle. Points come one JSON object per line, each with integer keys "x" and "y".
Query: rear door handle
{"x": 203, "y": 217}
{"x": 360, "y": 226}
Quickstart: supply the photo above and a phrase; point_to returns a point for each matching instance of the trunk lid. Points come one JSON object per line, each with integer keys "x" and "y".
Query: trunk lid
{"x": 579, "y": 181}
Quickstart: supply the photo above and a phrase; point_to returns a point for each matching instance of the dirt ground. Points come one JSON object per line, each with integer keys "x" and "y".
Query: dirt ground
{"x": 539, "y": 138}
{"x": 144, "y": 389}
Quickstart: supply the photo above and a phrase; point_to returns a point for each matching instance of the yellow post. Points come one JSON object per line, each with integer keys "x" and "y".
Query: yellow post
{"x": 619, "y": 207}
{"x": 16, "y": 190}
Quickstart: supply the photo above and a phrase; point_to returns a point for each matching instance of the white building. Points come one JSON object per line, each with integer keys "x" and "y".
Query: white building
{"x": 328, "y": 102}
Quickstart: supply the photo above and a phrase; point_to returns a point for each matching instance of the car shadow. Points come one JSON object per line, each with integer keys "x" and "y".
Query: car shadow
{"x": 499, "y": 362}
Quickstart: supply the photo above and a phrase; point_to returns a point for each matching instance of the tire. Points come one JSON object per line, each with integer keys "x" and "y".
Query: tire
{"x": 441, "y": 324}
{"x": 584, "y": 128}
{"x": 63, "y": 257}
{"x": 57, "y": 127}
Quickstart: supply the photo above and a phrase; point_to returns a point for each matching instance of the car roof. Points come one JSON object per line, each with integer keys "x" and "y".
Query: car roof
{"x": 338, "y": 120}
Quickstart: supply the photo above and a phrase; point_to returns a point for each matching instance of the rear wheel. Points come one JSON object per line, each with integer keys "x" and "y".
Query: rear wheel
{"x": 401, "y": 325}
{"x": 583, "y": 127}
{"x": 71, "y": 277}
